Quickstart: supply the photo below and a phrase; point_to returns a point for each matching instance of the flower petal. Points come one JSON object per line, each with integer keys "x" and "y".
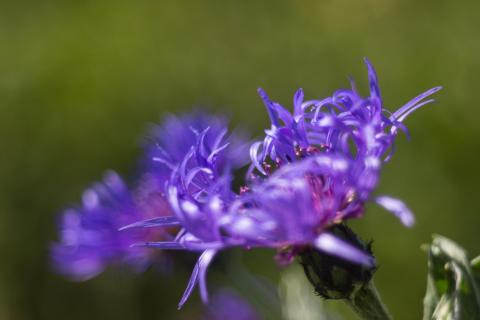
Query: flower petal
{"x": 412, "y": 103}
{"x": 191, "y": 284}
{"x": 200, "y": 270}
{"x": 373, "y": 81}
{"x": 204, "y": 262}
{"x": 337, "y": 247}
{"x": 398, "y": 208}
{"x": 272, "y": 113}
{"x": 152, "y": 223}
{"x": 165, "y": 245}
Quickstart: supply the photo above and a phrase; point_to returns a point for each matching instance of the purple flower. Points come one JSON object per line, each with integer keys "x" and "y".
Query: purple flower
{"x": 169, "y": 143}
{"x": 199, "y": 193}
{"x": 315, "y": 168}
{"x": 101, "y": 231}
{"x": 345, "y": 131}
{"x": 89, "y": 237}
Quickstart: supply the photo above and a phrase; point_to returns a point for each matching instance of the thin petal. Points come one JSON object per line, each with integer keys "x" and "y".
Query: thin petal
{"x": 254, "y": 156}
{"x": 165, "y": 245}
{"x": 398, "y": 208}
{"x": 270, "y": 107}
{"x": 297, "y": 102}
{"x": 204, "y": 262}
{"x": 373, "y": 81}
{"x": 353, "y": 84}
{"x": 412, "y": 109}
{"x": 200, "y": 270}
{"x": 152, "y": 223}
{"x": 337, "y": 247}
{"x": 191, "y": 284}
{"x": 414, "y": 101}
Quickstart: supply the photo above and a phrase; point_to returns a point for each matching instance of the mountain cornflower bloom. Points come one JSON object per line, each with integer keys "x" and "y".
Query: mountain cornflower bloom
{"x": 318, "y": 166}
{"x": 314, "y": 169}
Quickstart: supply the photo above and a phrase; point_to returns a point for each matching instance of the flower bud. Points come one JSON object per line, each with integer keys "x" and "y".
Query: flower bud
{"x": 333, "y": 277}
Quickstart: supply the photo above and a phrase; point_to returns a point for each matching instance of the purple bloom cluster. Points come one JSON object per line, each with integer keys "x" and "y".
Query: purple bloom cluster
{"x": 315, "y": 167}
{"x": 89, "y": 234}
{"x": 92, "y": 235}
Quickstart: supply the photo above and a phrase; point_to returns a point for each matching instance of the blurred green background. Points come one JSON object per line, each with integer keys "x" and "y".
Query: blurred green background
{"x": 81, "y": 80}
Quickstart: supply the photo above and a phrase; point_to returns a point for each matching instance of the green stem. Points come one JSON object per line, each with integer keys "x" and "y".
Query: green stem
{"x": 367, "y": 304}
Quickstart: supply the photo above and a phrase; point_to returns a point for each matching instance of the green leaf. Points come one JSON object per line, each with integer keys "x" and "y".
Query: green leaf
{"x": 453, "y": 286}
{"x": 475, "y": 265}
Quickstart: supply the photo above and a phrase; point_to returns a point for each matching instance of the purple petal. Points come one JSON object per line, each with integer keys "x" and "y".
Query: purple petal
{"x": 272, "y": 113}
{"x": 201, "y": 246}
{"x": 204, "y": 261}
{"x": 414, "y": 101}
{"x": 297, "y": 102}
{"x": 152, "y": 223}
{"x": 191, "y": 284}
{"x": 373, "y": 80}
{"x": 165, "y": 245}
{"x": 200, "y": 270}
{"x": 254, "y": 156}
{"x": 412, "y": 109}
{"x": 337, "y": 247}
{"x": 398, "y": 208}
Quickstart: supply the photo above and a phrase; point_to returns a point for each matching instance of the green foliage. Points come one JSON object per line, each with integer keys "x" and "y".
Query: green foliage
{"x": 453, "y": 285}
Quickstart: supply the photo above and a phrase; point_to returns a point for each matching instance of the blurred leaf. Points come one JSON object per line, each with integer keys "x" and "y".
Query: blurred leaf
{"x": 475, "y": 265}
{"x": 452, "y": 285}
{"x": 299, "y": 301}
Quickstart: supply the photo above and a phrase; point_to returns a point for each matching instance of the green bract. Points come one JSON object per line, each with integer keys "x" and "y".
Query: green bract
{"x": 453, "y": 285}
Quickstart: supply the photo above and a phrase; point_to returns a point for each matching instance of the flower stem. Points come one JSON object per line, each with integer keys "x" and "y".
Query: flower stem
{"x": 367, "y": 304}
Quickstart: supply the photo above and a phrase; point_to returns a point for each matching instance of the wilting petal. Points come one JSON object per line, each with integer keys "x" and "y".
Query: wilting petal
{"x": 398, "y": 208}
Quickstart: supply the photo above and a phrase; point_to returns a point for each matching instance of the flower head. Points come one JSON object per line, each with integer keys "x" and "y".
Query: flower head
{"x": 199, "y": 193}
{"x": 102, "y": 230}
{"x": 336, "y": 146}
{"x": 169, "y": 144}
{"x": 314, "y": 169}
